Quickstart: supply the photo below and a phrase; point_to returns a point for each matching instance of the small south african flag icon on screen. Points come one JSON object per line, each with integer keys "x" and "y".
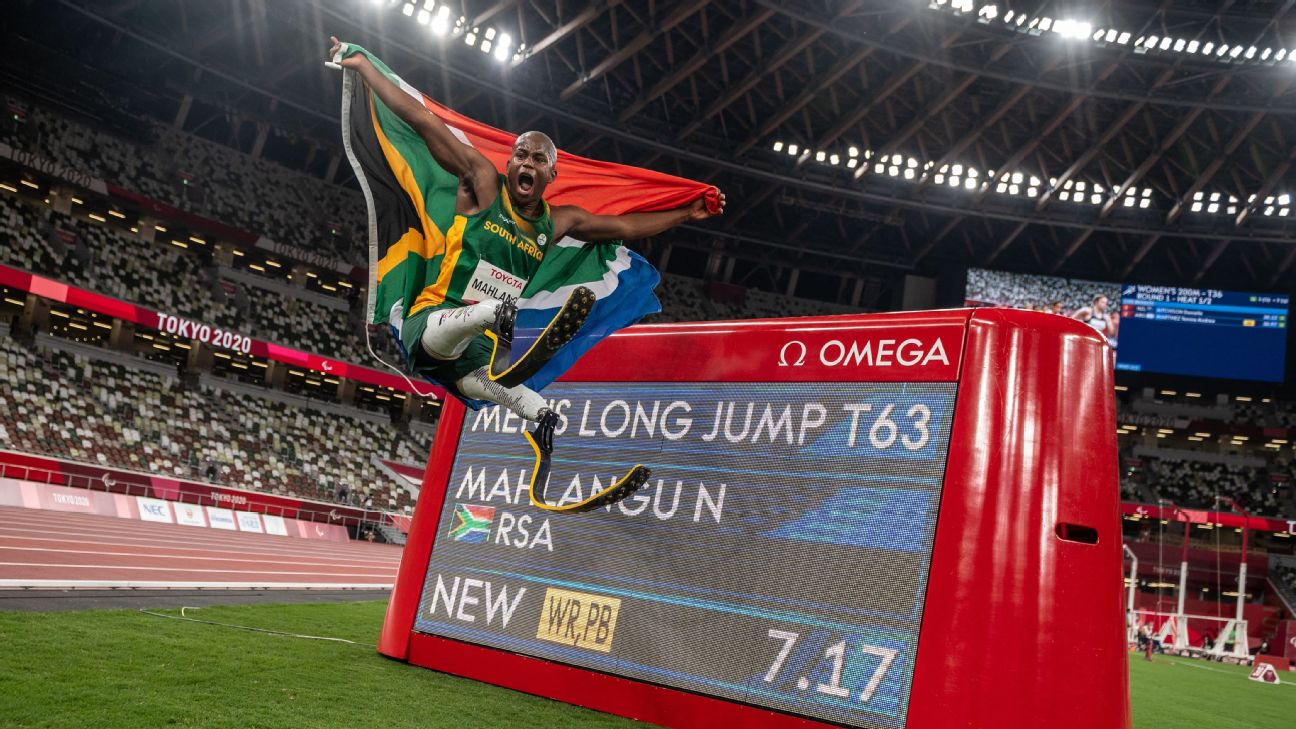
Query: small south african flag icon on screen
{"x": 472, "y": 523}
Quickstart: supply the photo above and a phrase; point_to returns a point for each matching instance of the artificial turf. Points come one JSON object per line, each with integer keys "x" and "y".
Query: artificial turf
{"x": 117, "y": 668}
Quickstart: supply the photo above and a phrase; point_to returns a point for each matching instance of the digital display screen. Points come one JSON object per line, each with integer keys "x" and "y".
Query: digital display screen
{"x": 1203, "y": 332}
{"x": 1096, "y": 303}
{"x": 1160, "y": 329}
{"x": 777, "y": 557}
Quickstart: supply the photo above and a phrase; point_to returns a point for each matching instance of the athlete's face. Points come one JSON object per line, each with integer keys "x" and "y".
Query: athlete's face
{"x": 1100, "y": 304}
{"x": 531, "y": 168}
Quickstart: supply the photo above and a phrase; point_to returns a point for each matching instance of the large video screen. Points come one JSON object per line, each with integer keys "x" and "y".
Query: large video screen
{"x": 1202, "y": 332}
{"x": 779, "y": 555}
{"x": 1096, "y": 303}
{"x": 1159, "y": 329}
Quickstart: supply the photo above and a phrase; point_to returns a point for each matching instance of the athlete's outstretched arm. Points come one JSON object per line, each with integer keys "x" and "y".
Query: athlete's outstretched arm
{"x": 585, "y": 225}
{"x": 456, "y": 157}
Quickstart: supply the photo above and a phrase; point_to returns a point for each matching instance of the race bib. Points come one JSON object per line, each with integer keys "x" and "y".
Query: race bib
{"x": 491, "y": 282}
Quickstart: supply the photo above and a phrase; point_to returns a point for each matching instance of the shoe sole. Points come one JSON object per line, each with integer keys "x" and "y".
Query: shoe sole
{"x": 564, "y": 327}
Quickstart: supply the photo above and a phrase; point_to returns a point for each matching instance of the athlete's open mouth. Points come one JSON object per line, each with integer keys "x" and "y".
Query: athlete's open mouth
{"x": 525, "y": 182}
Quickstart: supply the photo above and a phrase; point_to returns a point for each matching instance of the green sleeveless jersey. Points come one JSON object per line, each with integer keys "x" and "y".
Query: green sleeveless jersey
{"x": 488, "y": 255}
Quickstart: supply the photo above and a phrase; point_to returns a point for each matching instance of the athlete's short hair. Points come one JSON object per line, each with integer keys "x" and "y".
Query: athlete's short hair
{"x": 550, "y": 148}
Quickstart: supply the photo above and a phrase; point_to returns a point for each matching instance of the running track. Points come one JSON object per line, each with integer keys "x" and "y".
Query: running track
{"x": 66, "y": 550}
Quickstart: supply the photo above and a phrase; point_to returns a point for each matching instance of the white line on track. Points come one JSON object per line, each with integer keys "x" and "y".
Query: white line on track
{"x": 232, "y": 540}
{"x": 179, "y": 569}
{"x": 112, "y": 525}
{"x": 229, "y": 549}
{"x": 248, "y": 557}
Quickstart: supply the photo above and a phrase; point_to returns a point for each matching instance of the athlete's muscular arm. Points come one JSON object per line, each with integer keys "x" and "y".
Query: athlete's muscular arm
{"x": 477, "y": 176}
{"x": 582, "y": 224}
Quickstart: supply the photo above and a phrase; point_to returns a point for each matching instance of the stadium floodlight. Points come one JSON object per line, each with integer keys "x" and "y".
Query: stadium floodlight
{"x": 908, "y": 173}
{"x": 792, "y": 149}
{"x": 852, "y": 163}
{"x": 423, "y": 16}
{"x": 502, "y": 47}
{"x": 820, "y": 156}
{"x": 1206, "y": 49}
{"x": 1008, "y": 16}
{"x": 1250, "y": 52}
{"x": 441, "y": 21}
{"x": 1124, "y": 38}
{"x": 1179, "y": 45}
{"x": 1112, "y": 35}
{"x": 470, "y": 38}
{"x": 1192, "y": 46}
{"x": 1196, "y": 207}
{"x": 407, "y": 10}
{"x": 1165, "y": 43}
{"x": 834, "y": 159}
{"x": 1001, "y": 188}
{"x": 989, "y": 12}
{"x": 778, "y": 146}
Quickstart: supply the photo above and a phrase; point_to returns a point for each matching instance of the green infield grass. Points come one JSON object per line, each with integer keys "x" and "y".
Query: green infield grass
{"x": 104, "y": 669}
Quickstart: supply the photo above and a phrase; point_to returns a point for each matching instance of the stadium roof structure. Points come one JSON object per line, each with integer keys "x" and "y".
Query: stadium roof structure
{"x": 866, "y": 139}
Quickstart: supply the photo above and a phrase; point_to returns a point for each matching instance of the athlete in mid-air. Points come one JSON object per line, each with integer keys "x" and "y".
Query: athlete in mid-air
{"x": 501, "y": 228}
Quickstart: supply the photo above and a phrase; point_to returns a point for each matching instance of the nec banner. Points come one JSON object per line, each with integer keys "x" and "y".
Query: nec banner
{"x": 778, "y": 556}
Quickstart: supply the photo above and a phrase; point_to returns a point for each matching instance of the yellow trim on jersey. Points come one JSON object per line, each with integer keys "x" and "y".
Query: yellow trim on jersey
{"x": 432, "y": 241}
{"x": 523, "y": 223}
{"x": 435, "y": 294}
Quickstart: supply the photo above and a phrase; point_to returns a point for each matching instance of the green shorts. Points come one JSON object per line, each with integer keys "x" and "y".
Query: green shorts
{"x": 445, "y": 371}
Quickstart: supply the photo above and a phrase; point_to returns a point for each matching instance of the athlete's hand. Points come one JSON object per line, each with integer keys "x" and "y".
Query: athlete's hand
{"x": 353, "y": 61}
{"x": 698, "y": 210}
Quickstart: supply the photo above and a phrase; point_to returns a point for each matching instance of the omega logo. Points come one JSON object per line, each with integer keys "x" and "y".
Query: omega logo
{"x": 872, "y": 353}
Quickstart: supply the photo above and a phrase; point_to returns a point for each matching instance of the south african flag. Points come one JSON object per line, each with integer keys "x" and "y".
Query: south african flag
{"x": 472, "y": 523}
{"x": 411, "y": 201}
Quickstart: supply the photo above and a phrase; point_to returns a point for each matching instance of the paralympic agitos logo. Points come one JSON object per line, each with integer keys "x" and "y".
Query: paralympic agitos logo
{"x": 870, "y": 353}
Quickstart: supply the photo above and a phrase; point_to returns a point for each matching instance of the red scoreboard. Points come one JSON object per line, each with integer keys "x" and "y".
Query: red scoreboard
{"x": 882, "y": 521}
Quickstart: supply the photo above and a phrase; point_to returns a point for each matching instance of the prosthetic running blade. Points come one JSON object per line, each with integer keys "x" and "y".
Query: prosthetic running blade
{"x": 542, "y": 443}
{"x": 561, "y": 330}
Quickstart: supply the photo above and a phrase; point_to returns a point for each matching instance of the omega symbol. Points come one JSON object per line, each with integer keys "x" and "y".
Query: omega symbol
{"x": 783, "y": 354}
